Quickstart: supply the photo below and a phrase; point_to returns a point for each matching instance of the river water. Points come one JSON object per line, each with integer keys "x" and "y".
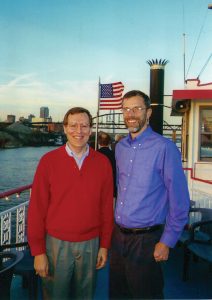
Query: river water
{"x": 17, "y": 168}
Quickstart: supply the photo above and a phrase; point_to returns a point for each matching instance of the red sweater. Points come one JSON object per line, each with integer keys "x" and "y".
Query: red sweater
{"x": 70, "y": 204}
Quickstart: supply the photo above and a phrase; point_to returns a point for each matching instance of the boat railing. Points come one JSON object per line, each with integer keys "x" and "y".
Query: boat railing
{"x": 200, "y": 192}
{"x": 13, "y": 219}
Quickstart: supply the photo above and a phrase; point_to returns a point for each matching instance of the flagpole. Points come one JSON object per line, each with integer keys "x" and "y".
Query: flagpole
{"x": 113, "y": 122}
{"x": 97, "y": 117}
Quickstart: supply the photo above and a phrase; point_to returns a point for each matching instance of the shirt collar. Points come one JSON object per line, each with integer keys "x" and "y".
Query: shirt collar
{"x": 147, "y": 132}
{"x": 71, "y": 153}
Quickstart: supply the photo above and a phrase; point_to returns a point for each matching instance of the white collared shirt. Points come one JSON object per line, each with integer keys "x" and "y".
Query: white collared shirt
{"x": 78, "y": 160}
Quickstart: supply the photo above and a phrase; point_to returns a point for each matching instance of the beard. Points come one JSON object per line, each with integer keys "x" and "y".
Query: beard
{"x": 135, "y": 125}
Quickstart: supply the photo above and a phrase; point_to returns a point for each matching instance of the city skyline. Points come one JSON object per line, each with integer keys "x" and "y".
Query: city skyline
{"x": 53, "y": 52}
{"x": 27, "y": 116}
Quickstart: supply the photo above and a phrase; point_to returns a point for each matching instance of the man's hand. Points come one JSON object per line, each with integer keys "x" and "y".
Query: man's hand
{"x": 41, "y": 265}
{"x": 101, "y": 258}
{"x": 161, "y": 252}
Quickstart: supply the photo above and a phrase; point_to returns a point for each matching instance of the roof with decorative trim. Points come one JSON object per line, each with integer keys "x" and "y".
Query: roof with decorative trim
{"x": 193, "y": 90}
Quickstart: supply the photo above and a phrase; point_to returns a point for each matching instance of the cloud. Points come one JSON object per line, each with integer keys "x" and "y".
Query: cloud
{"x": 25, "y": 94}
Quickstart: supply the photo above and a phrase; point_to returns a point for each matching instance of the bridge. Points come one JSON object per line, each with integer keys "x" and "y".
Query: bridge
{"x": 111, "y": 122}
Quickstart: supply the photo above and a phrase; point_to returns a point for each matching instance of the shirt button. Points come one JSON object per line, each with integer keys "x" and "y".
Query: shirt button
{"x": 124, "y": 188}
{"x": 118, "y": 217}
{"x": 134, "y": 147}
{"x": 121, "y": 203}
{"x": 131, "y": 160}
{"x": 139, "y": 145}
{"x": 128, "y": 175}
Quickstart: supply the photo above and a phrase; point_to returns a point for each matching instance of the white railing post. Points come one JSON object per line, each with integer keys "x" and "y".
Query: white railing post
{"x": 6, "y": 228}
{"x": 20, "y": 224}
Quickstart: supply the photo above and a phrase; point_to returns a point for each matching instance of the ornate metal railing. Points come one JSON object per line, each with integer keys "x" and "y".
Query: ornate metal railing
{"x": 13, "y": 220}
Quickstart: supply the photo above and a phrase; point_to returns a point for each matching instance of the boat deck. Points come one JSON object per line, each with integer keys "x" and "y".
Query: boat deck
{"x": 199, "y": 285}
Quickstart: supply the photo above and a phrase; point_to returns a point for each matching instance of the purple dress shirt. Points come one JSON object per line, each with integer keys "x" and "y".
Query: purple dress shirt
{"x": 152, "y": 187}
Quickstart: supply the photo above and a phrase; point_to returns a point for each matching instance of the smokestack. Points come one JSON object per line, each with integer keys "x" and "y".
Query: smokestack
{"x": 156, "y": 93}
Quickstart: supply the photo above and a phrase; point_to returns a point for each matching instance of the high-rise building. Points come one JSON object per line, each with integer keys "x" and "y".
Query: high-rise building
{"x": 44, "y": 112}
{"x": 30, "y": 117}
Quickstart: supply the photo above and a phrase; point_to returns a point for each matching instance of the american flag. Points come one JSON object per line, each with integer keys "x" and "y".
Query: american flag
{"x": 111, "y": 95}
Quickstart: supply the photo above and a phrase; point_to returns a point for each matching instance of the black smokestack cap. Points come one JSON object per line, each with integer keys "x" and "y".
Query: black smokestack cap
{"x": 156, "y": 92}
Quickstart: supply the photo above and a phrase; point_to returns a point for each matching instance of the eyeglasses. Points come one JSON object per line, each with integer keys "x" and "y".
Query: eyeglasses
{"x": 74, "y": 127}
{"x": 136, "y": 109}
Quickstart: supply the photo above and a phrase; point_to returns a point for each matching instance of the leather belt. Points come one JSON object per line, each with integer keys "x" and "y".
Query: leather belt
{"x": 139, "y": 230}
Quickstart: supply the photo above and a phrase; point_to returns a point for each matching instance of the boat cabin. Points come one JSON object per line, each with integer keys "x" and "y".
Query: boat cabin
{"x": 194, "y": 104}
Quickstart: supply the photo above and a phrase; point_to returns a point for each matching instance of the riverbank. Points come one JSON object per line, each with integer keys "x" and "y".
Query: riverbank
{"x": 17, "y": 135}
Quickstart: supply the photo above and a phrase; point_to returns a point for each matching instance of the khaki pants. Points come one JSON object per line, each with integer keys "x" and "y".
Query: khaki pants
{"x": 72, "y": 269}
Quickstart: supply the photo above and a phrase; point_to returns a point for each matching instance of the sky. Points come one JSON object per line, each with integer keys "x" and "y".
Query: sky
{"x": 53, "y": 52}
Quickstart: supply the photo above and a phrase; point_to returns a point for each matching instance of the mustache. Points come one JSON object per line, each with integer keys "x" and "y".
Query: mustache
{"x": 132, "y": 119}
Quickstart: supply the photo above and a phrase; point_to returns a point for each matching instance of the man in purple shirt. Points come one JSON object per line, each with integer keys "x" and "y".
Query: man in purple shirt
{"x": 152, "y": 204}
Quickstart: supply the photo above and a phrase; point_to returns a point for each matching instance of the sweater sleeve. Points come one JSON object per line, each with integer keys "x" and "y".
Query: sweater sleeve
{"x": 106, "y": 207}
{"x": 37, "y": 210}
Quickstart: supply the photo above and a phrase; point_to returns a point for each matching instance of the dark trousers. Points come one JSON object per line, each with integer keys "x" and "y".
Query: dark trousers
{"x": 133, "y": 271}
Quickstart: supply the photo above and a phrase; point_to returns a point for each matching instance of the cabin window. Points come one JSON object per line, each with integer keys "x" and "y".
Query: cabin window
{"x": 205, "y": 134}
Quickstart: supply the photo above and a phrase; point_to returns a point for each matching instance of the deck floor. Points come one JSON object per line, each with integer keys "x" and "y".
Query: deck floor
{"x": 199, "y": 285}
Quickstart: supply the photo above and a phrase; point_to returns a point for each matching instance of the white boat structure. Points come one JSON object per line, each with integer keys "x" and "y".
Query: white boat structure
{"x": 194, "y": 104}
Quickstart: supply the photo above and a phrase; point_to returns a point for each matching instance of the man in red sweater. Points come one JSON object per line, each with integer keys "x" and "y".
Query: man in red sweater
{"x": 70, "y": 216}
